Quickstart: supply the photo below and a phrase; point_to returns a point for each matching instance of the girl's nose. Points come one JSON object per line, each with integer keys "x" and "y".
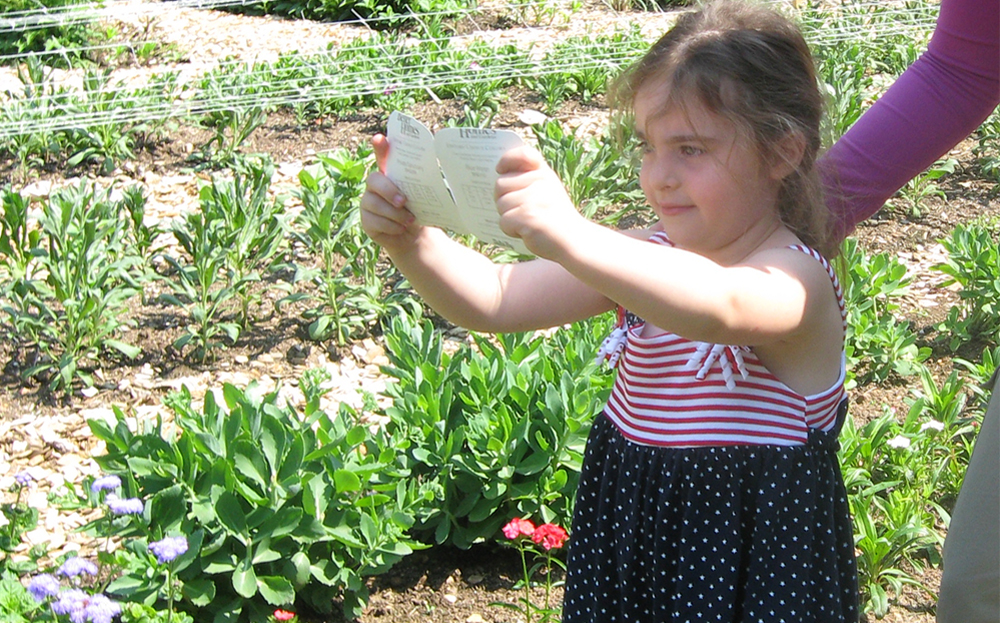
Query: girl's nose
{"x": 664, "y": 177}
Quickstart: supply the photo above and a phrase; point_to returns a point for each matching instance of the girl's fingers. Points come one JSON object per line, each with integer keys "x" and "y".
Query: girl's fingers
{"x": 382, "y": 186}
{"x": 377, "y": 206}
{"x": 377, "y": 224}
{"x": 520, "y": 160}
{"x": 381, "y": 145}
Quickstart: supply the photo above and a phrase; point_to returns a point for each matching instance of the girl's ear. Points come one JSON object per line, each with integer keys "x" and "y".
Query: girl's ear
{"x": 788, "y": 154}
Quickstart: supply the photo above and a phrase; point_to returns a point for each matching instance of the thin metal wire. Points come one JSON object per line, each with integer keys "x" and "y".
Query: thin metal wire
{"x": 258, "y": 74}
{"x": 376, "y": 80}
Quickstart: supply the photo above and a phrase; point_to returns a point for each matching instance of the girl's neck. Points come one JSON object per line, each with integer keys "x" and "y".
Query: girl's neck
{"x": 764, "y": 234}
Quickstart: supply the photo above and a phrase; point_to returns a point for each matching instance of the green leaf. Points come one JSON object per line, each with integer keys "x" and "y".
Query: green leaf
{"x": 244, "y": 579}
{"x": 199, "y": 591}
{"x": 128, "y": 350}
{"x": 300, "y": 564}
{"x": 276, "y": 590}
{"x": 264, "y": 553}
{"x": 536, "y": 462}
{"x": 356, "y": 435}
{"x": 231, "y": 515}
{"x": 168, "y": 507}
{"x": 283, "y": 522}
{"x": 346, "y": 481}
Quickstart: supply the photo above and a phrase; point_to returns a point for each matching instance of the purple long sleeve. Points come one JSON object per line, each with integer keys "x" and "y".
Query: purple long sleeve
{"x": 937, "y": 102}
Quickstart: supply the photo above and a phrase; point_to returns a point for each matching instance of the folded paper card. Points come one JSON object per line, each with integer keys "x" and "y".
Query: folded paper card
{"x": 448, "y": 178}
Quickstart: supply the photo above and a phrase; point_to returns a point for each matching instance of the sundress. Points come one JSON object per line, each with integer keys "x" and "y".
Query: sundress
{"x": 735, "y": 521}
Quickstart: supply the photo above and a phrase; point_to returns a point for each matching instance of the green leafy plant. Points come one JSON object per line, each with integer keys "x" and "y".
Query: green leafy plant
{"x": 920, "y": 188}
{"x": 20, "y": 518}
{"x": 381, "y": 14}
{"x": 554, "y": 88}
{"x": 987, "y": 148}
{"x": 279, "y": 505}
{"x": 200, "y": 286}
{"x": 877, "y": 342}
{"x": 594, "y": 172}
{"x": 843, "y": 71}
{"x": 351, "y": 292}
{"x": 591, "y": 62}
{"x": 232, "y": 128}
{"x": 224, "y": 95}
{"x": 66, "y": 39}
{"x": 980, "y": 373}
{"x": 902, "y": 477}
{"x": 882, "y": 550}
{"x": 75, "y": 587}
{"x": 40, "y": 99}
{"x": 497, "y": 429}
{"x": 973, "y": 263}
{"x": 19, "y": 250}
{"x": 78, "y": 306}
{"x": 251, "y": 226}
{"x": 108, "y": 143}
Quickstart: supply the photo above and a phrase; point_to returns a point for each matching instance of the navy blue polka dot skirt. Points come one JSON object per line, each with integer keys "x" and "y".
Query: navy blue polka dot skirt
{"x": 728, "y": 533}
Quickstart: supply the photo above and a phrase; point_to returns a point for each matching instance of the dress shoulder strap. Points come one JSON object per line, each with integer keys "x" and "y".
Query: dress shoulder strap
{"x": 816, "y": 255}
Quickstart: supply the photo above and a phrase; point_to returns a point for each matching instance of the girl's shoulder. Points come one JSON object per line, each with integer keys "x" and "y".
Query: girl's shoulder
{"x": 790, "y": 255}
{"x": 804, "y": 264}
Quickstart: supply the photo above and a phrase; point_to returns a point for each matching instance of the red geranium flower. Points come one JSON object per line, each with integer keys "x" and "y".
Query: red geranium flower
{"x": 518, "y": 527}
{"x": 549, "y": 536}
{"x": 284, "y": 615}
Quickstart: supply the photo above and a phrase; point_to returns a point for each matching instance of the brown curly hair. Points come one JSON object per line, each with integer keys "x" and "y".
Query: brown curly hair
{"x": 751, "y": 65}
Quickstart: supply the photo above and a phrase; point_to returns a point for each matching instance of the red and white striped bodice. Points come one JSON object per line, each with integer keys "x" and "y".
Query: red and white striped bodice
{"x": 671, "y": 391}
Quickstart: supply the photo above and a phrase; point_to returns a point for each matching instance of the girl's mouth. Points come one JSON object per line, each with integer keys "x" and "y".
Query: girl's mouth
{"x": 673, "y": 210}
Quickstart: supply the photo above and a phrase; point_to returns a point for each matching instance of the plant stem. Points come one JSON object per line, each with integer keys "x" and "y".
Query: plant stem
{"x": 170, "y": 593}
{"x": 548, "y": 581}
{"x": 527, "y": 583}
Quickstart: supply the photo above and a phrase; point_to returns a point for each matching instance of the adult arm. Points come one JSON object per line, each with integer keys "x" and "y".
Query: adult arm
{"x": 938, "y": 101}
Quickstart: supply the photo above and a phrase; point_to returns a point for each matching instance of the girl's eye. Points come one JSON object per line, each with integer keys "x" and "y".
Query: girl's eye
{"x": 691, "y": 150}
{"x": 642, "y": 147}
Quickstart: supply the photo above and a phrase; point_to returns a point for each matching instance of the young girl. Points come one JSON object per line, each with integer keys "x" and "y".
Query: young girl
{"x": 710, "y": 489}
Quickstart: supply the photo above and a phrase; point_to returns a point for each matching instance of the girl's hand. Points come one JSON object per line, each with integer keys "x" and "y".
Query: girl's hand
{"x": 533, "y": 203}
{"x": 384, "y": 216}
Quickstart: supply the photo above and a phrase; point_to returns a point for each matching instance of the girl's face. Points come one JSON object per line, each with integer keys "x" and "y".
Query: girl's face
{"x": 707, "y": 184}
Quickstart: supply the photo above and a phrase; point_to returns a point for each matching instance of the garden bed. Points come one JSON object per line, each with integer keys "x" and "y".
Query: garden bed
{"x": 45, "y": 432}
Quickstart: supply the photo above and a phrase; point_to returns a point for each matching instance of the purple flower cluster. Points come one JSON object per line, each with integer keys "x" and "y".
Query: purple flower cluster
{"x": 124, "y": 506}
{"x": 84, "y": 608}
{"x": 106, "y": 483}
{"x": 43, "y": 586}
{"x": 24, "y": 479}
{"x": 77, "y": 566}
{"x": 166, "y": 550}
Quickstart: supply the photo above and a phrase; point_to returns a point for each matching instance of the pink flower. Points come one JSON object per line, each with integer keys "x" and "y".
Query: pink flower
{"x": 283, "y": 615}
{"x": 549, "y": 536}
{"x": 518, "y": 527}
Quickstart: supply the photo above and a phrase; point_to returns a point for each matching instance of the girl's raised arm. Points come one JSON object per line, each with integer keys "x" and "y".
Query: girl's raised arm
{"x": 462, "y": 285}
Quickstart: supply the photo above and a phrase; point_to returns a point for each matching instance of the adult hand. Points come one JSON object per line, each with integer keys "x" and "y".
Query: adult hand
{"x": 533, "y": 203}
{"x": 384, "y": 216}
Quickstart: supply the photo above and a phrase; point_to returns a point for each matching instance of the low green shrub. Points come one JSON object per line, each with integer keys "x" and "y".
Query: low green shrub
{"x": 973, "y": 263}
{"x": 68, "y": 293}
{"x": 350, "y": 294}
{"x": 878, "y": 343}
{"x": 496, "y": 428}
{"x": 280, "y": 506}
{"x": 45, "y": 38}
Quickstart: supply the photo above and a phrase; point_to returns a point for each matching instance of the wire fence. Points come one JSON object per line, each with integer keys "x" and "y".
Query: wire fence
{"x": 319, "y": 76}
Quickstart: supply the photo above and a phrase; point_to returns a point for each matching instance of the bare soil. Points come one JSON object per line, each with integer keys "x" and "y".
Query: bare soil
{"x": 48, "y": 436}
